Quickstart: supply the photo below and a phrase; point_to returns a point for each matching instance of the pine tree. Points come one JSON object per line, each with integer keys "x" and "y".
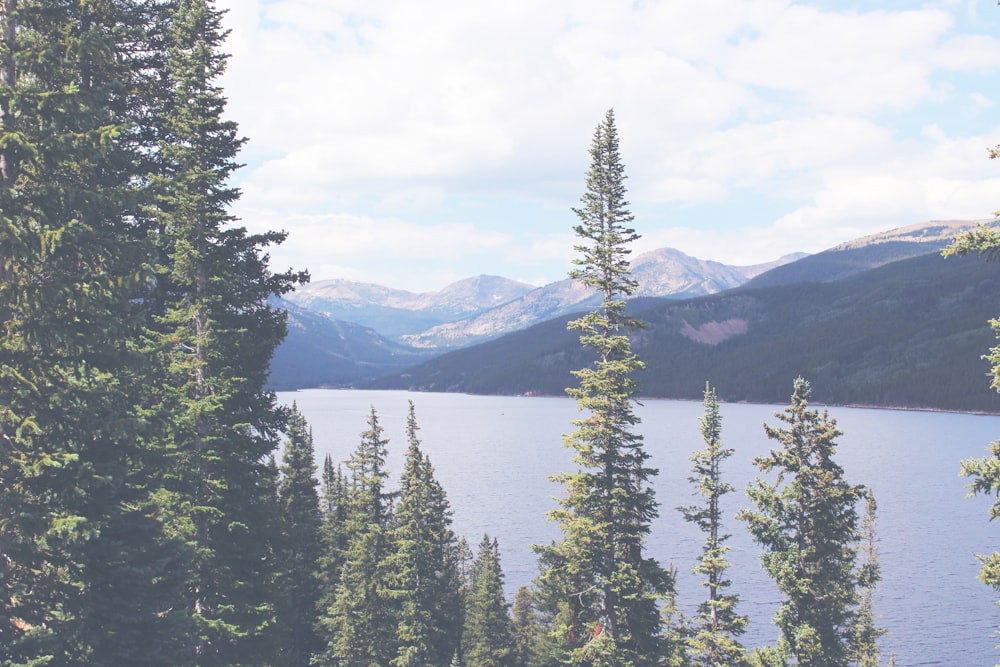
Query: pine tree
{"x": 333, "y": 538}
{"x": 864, "y": 634}
{"x": 806, "y": 521}
{"x": 985, "y": 471}
{"x": 599, "y": 589}
{"x": 488, "y": 639}
{"x": 360, "y": 625}
{"x": 713, "y": 640}
{"x": 301, "y": 546}
{"x": 426, "y": 576}
{"x": 88, "y": 571}
{"x": 528, "y": 631}
{"x": 213, "y": 336}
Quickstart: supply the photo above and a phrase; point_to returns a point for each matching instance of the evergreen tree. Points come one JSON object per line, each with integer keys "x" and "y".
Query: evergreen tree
{"x": 360, "y": 625}
{"x": 301, "y": 546}
{"x": 864, "y": 635}
{"x": 985, "y": 471}
{"x": 488, "y": 639}
{"x": 529, "y": 633}
{"x": 333, "y": 537}
{"x": 213, "y": 336}
{"x": 598, "y": 588}
{"x": 426, "y": 576}
{"x": 713, "y": 640}
{"x": 806, "y": 522}
{"x": 89, "y": 573}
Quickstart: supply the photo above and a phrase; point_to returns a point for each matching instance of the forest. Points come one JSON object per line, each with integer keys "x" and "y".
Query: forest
{"x": 157, "y": 505}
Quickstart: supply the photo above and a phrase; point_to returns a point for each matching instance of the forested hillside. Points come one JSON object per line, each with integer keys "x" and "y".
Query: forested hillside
{"x": 910, "y": 333}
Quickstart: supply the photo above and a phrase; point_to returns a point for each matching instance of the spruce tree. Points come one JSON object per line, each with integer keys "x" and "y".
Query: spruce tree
{"x": 89, "y": 573}
{"x": 333, "y": 538}
{"x": 213, "y": 335}
{"x": 806, "y": 521}
{"x": 488, "y": 639}
{"x": 599, "y": 589}
{"x": 360, "y": 624}
{"x": 300, "y": 547}
{"x": 713, "y": 637}
{"x": 864, "y": 633}
{"x": 985, "y": 471}
{"x": 426, "y": 576}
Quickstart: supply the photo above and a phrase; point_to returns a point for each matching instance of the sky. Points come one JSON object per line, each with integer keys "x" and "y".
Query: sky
{"x": 413, "y": 144}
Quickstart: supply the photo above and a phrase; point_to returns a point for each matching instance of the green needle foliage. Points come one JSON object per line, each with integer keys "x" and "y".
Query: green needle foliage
{"x": 427, "y": 576}
{"x": 714, "y": 630}
{"x": 300, "y": 546}
{"x": 985, "y": 472}
{"x": 488, "y": 640}
{"x": 600, "y": 591}
{"x": 360, "y": 623}
{"x": 865, "y": 634}
{"x": 806, "y": 521}
{"x": 213, "y": 335}
{"x": 89, "y": 575}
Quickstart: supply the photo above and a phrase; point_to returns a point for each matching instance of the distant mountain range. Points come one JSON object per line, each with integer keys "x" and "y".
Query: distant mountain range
{"x": 343, "y": 333}
{"x": 882, "y": 320}
{"x": 484, "y": 307}
{"x": 898, "y": 327}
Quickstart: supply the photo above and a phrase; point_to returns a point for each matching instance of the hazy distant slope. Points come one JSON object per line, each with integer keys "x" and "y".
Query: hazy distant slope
{"x": 666, "y": 272}
{"x": 319, "y": 351}
{"x": 394, "y": 312}
{"x": 908, "y": 334}
{"x": 865, "y": 253}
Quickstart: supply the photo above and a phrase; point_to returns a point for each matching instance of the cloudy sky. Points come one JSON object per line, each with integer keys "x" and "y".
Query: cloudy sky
{"x": 412, "y": 144}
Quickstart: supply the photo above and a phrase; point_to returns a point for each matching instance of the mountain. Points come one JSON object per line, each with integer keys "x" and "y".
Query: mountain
{"x": 394, "y": 312}
{"x": 343, "y": 333}
{"x": 867, "y": 252}
{"x": 320, "y": 351}
{"x": 666, "y": 272}
{"x": 909, "y": 333}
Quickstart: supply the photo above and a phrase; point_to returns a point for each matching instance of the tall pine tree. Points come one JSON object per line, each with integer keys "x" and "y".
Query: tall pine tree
{"x": 806, "y": 521}
{"x": 360, "y": 624}
{"x": 599, "y": 588}
{"x": 717, "y": 625}
{"x": 213, "y": 336}
{"x": 90, "y": 577}
{"x": 426, "y": 575}
{"x": 300, "y": 546}
{"x": 864, "y": 633}
{"x": 985, "y": 471}
{"x": 488, "y": 639}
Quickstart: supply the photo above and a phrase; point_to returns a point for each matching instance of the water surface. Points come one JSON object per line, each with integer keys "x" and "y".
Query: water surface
{"x": 493, "y": 455}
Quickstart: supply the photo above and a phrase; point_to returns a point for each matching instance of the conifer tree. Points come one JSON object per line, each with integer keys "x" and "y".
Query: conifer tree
{"x": 713, "y": 639}
{"x": 599, "y": 589}
{"x": 985, "y": 471}
{"x": 529, "y": 637}
{"x": 88, "y": 572}
{"x": 300, "y": 548}
{"x": 806, "y": 521}
{"x": 488, "y": 639}
{"x": 864, "y": 635}
{"x": 213, "y": 336}
{"x": 360, "y": 625}
{"x": 333, "y": 537}
{"x": 425, "y": 574}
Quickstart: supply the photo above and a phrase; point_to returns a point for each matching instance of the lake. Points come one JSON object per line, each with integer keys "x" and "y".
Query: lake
{"x": 493, "y": 456}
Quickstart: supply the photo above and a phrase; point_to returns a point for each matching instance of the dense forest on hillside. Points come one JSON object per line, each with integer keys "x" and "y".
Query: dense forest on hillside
{"x": 147, "y": 516}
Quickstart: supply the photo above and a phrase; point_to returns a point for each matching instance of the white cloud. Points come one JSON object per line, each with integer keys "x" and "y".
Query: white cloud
{"x": 367, "y": 117}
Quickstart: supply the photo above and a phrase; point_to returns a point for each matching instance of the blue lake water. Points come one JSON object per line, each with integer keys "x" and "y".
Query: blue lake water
{"x": 494, "y": 454}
